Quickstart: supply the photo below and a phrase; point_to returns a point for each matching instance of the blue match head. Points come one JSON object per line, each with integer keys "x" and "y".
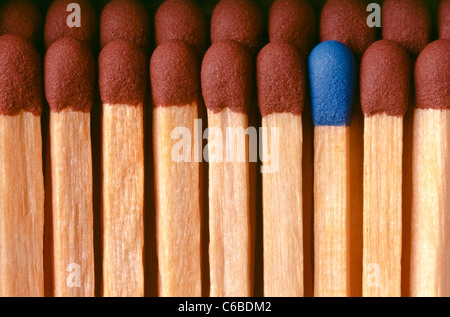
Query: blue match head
{"x": 332, "y": 76}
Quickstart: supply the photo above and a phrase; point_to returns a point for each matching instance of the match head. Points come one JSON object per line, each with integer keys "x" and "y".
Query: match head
{"x": 181, "y": 20}
{"x": 69, "y": 75}
{"x": 122, "y": 73}
{"x": 407, "y": 22}
{"x": 345, "y": 21}
{"x": 444, "y": 19}
{"x": 332, "y": 76}
{"x": 293, "y": 21}
{"x": 174, "y": 74}
{"x": 385, "y": 79}
{"x": 56, "y": 22}
{"x": 238, "y": 20}
{"x": 125, "y": 20}
{"x": 432, "y": 76}
{"x": 21, "y": 17}
{"x": 281, "y": 79}
{"x": 226, "y": 77}
{"x": 20, "y": 76}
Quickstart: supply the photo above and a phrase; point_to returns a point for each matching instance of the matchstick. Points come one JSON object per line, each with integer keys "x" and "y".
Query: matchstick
{"x": 21, "y": 176}
{"x": 407, "y": 22}
{"x": 122, "y": 82}
{"x": 444, "y": 20}
{"x": 238, "y": 20}
{"x": 125, "y": 20}
{"x": 294, "y": 22}
{"x": 177, "y": 173}
{"x": 83, "y": 26}
{"x": 430, "y": 241}
{"x": 332, "y": 73}
{"x": 21, "y": 17}
{"x": 181, "y": 20}
{"x": 281, "y": 81}
{"x": 226, "y": 78}
{"x": 385, "y": 86}
{"x": 346, "y": 22}
{"x": 69, "y": 88}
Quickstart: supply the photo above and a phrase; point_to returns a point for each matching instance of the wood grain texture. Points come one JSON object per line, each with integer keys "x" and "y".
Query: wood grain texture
{"x": 178, "y": 209}
{"x": 331, "y": 211}
{"x": 383, "y": 145}
{"x": 430, "y": 234}
{"x": 21, "y": 206}
{"x": 229, "y": 208}
{"x": 123, "y": 200}
{"x": 283, "y": 205}
{"x": 71, "y": 173}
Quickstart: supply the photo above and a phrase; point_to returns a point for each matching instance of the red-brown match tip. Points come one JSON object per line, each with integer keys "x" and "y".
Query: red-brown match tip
{"x": 444, "y": 19}
{"x": 238, "y": 20}
{"x": 345, "y": 21}
{"x": 61, "y": 12}
{"x": 385, "y": 79}
{"x": 281, "y": 79}
{"x": 226, "y": 77}
{"x": 125, "y": 20}
{"x": 432, "y": 76}
{"x": 174, "y": 74}
{"x": 293, "y": 21}
{"x": 181, "y": 20}
{"x": 20, "y": 76}
{"x": 21, "y": 17}
{"x": 69, "y": 75}
{"x": 407, "y": 22}
{"x": 122, "y": 73}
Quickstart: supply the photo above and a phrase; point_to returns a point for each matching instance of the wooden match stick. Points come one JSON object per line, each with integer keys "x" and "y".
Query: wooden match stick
{"x": 406, "y": 22}
{"x": 332, "y": 73}
{"x": 21, "y": 17}
{"x": 56, "y": 25}
{"x": 346, "y": 22}
{"x": 177, "y": 173}
{"x": 21, "y": 176}
{"x": 430, "y": 261}
{"x": 226, "y": 78}
{"x": 385, "y": 86}
{"x": 238, "y": 20}
{"x": 122, "y": 81}
{"x": 181, "y": 20}
{"x": 294, "y": 22}
{"x": 444, "y": 20}
{"x": 69, "y": 88}
{"x": 125, "y": 20}
{"x": 281, "y": 80}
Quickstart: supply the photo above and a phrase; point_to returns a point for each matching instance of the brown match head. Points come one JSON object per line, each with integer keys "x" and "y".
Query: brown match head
{"x": 174, "y": 74}
{"x": 407, "y": 22}
{"x": 345, "y": 21}
{"x": 238, "y": 20}
{"x": 69, "y": 75}
{"x": 293, "y": 21}
{"x": 21, "y": 17}
{"x": 432, "y": 76}
{"x": 281, "y": 79}
{"x": 181, "y": 20}
{"x": 20, "y": 76}
{"x": 385, "y": 79}
{"x": 58, "y": 16}
{"x": 125, "y": 20}
{"x": 444, "y": 19}
{"x": 122, "y": 73}
{"x": 226, "y": 77}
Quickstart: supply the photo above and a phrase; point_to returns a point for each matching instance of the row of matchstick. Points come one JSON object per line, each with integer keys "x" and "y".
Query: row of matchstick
{"x": 356, "y": 205}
